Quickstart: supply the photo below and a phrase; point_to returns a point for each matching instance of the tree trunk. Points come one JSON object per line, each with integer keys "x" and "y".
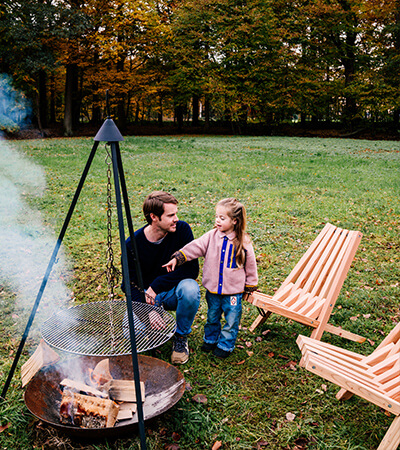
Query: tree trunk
{"x": 207, "y": 112}
{"x": 71, "y": 112}
{"x": 179, "y": 116}
{"x": 52, "y": 100}
{"x": 396, "y": 112}
{"x": 160, "y": 112}
{"x": 195, "y": 110}
{"x": 42, "y": 100}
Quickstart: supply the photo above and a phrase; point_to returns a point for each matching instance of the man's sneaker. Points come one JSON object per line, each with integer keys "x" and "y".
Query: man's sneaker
{"x": 219, "y": 353}
{"x": 206, "y": 347}
{"x": 180, "y": 350}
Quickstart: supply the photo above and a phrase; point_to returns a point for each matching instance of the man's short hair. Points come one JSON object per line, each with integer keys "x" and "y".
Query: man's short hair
{"x": 154, "y": 204}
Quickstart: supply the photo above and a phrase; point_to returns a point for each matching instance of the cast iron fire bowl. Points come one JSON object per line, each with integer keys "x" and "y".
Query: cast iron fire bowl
{"x": 164, "y": 386}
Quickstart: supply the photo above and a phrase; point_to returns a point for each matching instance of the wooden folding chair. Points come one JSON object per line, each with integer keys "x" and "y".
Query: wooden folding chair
{"x": 375, "y": 378}
{"x": 309, "y": 293}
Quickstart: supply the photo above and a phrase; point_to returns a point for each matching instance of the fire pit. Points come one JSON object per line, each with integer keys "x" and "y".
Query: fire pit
{"x": 164, "y": 386}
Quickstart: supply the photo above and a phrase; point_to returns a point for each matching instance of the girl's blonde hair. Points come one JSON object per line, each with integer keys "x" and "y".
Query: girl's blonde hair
{"x": 237, "y": 211}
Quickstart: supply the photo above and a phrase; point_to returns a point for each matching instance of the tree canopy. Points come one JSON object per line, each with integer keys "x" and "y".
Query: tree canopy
{"x": 259, "y": 61}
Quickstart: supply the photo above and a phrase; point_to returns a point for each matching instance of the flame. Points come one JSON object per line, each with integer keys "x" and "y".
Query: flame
{"x": 94, "y": 379}
{"x": 100, "y": 374}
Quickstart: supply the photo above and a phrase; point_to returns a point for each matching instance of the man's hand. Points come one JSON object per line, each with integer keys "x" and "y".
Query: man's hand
{"x": 150, "y": 296}
{"x": 156, "y": 321}
{"x": 170, "y": 266}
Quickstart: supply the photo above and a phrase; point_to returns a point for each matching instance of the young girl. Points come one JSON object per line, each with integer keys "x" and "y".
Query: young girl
{"x": 229, "y": 271}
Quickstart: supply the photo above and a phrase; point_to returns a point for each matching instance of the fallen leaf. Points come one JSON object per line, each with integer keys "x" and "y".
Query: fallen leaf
{"x": 292, "y": 365}
{"x": 262, "y": 444}
{"x": 175, "y": 436}
{"x": 366, "y": 316}
{"x": 301, "y": 444}
{"x": 241, "y": 362}
{"x": 271, "y": 354}
{"x": 324, "y": 387}
{"x": 171, "y": 447}
{"x": 265, "y": 332}
{"x": 371, "y": 342}
{"x": 353, "y": 318}
{"x": 4, "y": 427}
{"x": 259, "y": 339}
{"x": 249, "y": 352}
{"x": 217, "y": 445}
{"x": 200, "y": 398}
{"x": 248, "y": 344}
{"x": 290, "y": 417}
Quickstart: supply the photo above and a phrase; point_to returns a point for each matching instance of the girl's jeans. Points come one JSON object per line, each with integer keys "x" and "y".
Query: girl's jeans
{"x": 231, "y": 307}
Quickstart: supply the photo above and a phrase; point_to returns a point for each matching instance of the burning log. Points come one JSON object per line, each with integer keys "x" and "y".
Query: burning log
{"x": 95, "y": 407}
{"x": 81, "y": 388}
{"x": 43, "y": 356}
{"x": 86, "y": 411}
{"x": 124, "y": 390}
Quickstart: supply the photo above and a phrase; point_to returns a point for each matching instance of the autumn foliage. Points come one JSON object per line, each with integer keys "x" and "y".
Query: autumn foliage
{"x": 260, "y": 61}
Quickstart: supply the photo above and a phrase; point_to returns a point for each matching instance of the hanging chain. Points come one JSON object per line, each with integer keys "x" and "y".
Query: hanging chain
{"x": 111, "y": 271}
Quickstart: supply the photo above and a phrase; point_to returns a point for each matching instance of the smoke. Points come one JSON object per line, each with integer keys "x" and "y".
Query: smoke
{"x": 15, "y": 109}
{"x": 26, "y": 244}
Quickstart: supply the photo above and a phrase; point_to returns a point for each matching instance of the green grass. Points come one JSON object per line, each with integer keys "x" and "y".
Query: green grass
{"x": 291, "y": 188}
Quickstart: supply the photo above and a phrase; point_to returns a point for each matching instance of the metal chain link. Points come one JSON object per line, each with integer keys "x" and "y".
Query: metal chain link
{"x": 111, "y": 271}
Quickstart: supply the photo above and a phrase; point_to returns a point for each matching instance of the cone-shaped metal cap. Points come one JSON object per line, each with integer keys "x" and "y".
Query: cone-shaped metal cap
{"x": 109, "y": 132}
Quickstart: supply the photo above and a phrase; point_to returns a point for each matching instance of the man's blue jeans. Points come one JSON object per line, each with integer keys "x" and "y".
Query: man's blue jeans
{"x": 231, "y": 307}
{"x": 185, "y": 300}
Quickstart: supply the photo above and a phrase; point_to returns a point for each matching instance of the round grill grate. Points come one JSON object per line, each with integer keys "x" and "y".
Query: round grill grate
{"x": 102, "y": 328}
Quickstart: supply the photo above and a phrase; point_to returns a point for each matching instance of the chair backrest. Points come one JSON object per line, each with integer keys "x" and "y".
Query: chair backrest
{"x": 320, "y": 273}
{"x": 384, "y": 363}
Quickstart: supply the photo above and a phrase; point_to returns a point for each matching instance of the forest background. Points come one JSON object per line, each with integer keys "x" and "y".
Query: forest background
{"x": 247, "y": 65}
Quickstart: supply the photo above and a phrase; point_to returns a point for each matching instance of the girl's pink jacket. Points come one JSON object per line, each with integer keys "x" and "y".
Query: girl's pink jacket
{"x": 220, "y": 272}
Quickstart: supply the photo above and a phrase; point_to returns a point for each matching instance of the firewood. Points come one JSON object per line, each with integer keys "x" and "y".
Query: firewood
{"x": 86, "y": 411}
{"x": 124, "y": 390}
{"x": 126, "y": 411}
{"x": 101, "y": 373}
{"x": 42, "y": 357}
{"x": 81, "y": 388}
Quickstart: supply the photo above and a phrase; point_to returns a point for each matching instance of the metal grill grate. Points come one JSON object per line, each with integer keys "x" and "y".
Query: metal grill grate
{"x": 102, "y": 329}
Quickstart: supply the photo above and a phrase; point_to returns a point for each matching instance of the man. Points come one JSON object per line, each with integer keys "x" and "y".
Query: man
{"x": 163, "y": 235}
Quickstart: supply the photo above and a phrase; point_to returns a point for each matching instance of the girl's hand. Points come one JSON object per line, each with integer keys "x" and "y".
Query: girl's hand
{"x": 170, "y": 266}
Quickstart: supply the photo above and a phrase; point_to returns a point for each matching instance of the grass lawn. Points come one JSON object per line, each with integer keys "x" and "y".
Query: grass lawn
{"x": 259, "y": 397}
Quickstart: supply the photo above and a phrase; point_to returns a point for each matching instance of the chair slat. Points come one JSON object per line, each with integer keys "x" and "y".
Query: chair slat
{"x": 375, "y": 378}
{"x": 309, "y": 293}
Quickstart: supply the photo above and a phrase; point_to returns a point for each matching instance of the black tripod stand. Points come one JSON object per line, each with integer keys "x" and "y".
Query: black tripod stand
{"x": 110, "y": 134}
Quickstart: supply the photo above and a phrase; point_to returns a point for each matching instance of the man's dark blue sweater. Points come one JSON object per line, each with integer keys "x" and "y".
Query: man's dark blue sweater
{"x": 152, "y": 256}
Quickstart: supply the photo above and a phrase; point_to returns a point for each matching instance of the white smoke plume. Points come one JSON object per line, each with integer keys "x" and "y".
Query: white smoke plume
{"x": 26, "y": 244}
